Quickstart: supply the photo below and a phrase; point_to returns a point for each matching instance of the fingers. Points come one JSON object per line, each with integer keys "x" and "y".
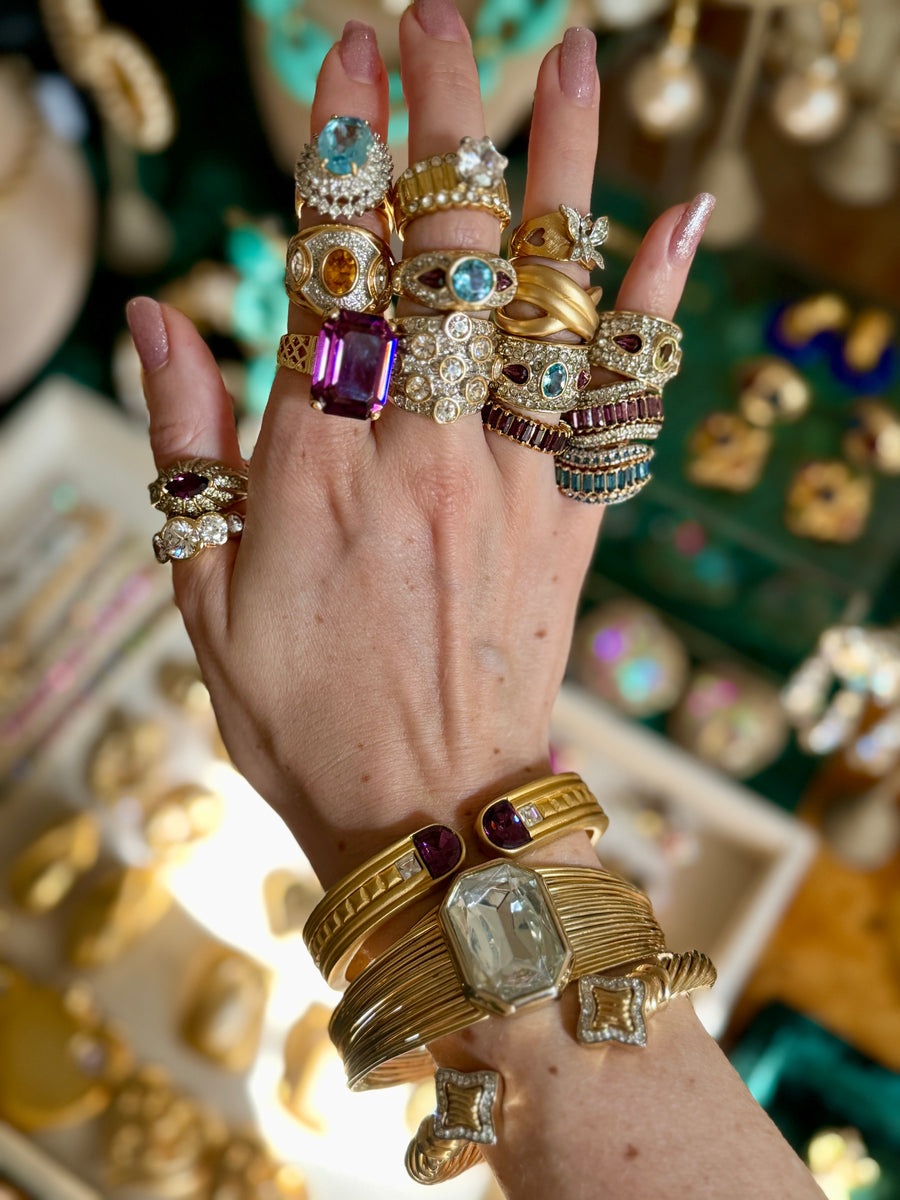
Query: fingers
{"x": 190, "y": 417}
{"x": 656, "y": 278}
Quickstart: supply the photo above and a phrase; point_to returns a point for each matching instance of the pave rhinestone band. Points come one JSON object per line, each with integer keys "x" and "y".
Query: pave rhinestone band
{"x": 540, "y": 812}
{"x": 336, "y": 266}
{"x": 444, "y": 365}
{"x": 297, "y": 351}
{"x": 641, "y": 347}
{"x": 566, "y": 235}
{"x": 195, "y": 486}
{"x": 470, "y": 177}
{"x": 451, "y": 281}
{"x": 527, "y": 431}
{"x": 344, "y": 171}
{"x": 544, "y": 376}
{"x": 376, "y": 891}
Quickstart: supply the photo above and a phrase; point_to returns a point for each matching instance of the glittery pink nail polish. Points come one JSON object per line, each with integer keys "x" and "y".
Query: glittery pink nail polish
{"x": 578, "y": 65}
{"x": 148, "y": 332}
{"x": 689, "y": 229}
{"x": 359, "y": 52}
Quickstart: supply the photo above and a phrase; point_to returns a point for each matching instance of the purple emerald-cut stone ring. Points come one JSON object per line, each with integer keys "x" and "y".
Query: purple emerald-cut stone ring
{"x": 354, "y": 357}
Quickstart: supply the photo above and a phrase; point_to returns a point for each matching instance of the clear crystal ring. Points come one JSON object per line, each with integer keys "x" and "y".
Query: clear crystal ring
{"x": 195, "y": 486}
{"x": 451, "y": 281}
{"x": 566, "y": 235}
{"x": 444, "y": 365}
{"x": 641, "y": 347}
{"x": 183, "y": 537}
{"x": 338, "y": 266}
{"x": 544, "y": 376}
{"x": 345, "y": 171}
{"x": 470, "y": 177}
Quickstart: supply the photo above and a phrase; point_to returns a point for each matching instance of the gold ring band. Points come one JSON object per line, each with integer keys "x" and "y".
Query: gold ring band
{"x": 566, "y": 305}
{"x": 297, "y": 351}
{"x": 566, "y": 235}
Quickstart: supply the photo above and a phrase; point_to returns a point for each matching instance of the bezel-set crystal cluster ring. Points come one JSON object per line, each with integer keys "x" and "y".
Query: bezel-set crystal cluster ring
{"x": 338, "y": 266}
{"x": 566, "y": 236}
{"x": 444, "y": 366}
{"x": 469, "y": 177}
{"x": 544, "y": 376}
{"x": 345, "y": 171}
{"x": 639, "y": 346}
{"x": 455, "y": 280}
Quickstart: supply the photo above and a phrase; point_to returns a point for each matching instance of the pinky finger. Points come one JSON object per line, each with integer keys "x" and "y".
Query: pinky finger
{"x": 656, "y": 278}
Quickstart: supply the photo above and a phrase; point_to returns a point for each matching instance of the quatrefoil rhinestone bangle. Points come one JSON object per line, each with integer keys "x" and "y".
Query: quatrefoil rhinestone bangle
{"x": 544, "y": 376}
{"x": 195, "y": 486}
{"x": 345, "y": 171}
{"x": 527, "y": 431}
{"x": 376, "y": 891}
{"x": 451, "y": 281}
{"x": 336, "y": 266}
{"x": 538, "y": 812}
{"x": 641, "y": 347}
{"x": 566, "y": 235}
{"x": 444, "y": 365}
{"x": 470, "y": 177}
{"x": 448, "y": 1141}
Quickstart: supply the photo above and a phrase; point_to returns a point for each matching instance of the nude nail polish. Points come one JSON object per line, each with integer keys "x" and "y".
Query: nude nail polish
{"x": 359, "y": 52}
{"x": 578, "y": 65}
{"x": 689, "y": 229}
{"x": 148, "y": 332}
{"x": 440, "y": 19}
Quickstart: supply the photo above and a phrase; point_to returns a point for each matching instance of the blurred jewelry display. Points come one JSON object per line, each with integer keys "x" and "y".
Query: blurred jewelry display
{"x": 828, "y": 696}
{"x": 828, "y": 502}
{"x": 223, "y": 1016}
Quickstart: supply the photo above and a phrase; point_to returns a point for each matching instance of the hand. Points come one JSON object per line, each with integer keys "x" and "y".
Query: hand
{"x": 384, "y": 644}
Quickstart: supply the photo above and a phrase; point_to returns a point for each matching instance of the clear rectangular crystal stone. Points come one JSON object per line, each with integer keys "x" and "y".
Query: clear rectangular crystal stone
{"x": 408, "y": 865}
{"x": 530, "y": 814}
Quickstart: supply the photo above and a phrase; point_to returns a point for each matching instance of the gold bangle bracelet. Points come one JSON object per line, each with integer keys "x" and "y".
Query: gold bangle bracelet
{"x": 539, "y": 811}
{"x": 590, "y": 919}
{"x": 566, "y": 305}
{"x": 376, "y": 891}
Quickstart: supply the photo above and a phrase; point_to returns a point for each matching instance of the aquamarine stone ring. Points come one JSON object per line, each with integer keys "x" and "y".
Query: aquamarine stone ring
{"x": 345, "y": 171}
{"x": 455, "y": 281}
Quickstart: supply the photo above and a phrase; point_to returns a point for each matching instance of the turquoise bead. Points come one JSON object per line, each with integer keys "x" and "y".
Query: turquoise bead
{"x": 472, "y": 280}
{"x": 344, "y": 144}
{"x": 554, "y": 380}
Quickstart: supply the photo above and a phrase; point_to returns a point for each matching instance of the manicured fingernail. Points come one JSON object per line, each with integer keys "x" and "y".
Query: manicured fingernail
{"x": 578, "y": 65}
{"x": 689, "y": 229}
{"x": 440, "y": 19}
{"x": 148, "y": 331}
{"x": 359, "y": 52}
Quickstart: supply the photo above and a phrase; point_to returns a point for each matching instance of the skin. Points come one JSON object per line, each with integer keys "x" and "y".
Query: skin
{"x": 384, "y": 643}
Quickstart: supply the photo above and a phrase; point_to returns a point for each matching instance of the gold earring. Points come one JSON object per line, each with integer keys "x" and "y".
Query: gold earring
{"x": 224, "y": 1015}
{"x": 182, "y": 815}
{"x": 46, "y": 870}
{"x": 289, "y": 900}
{"x": 872, "y": 441}
{"x": 828, "y": 502}
{"x": 122, "y": 907}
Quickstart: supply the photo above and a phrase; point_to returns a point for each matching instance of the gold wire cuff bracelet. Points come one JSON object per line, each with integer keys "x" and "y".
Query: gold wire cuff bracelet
{"x": 566, "y": 305}
{"x": 429, "y": 985}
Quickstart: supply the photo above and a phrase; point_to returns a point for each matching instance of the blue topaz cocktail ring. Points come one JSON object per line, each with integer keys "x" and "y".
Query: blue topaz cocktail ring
{"x": 456, "y": 280}
{"x": 345, "y": 171}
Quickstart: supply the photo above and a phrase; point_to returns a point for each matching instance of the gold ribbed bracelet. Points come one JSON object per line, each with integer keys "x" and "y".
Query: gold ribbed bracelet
{"x": 413, "y": 993}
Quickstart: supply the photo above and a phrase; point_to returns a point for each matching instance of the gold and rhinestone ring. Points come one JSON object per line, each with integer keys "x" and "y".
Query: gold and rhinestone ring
{"x": 470, "y": 177}
{"x": 345, "y": 171}
{"x": 600, "y": 474}
{"x": 641, "y": 347}
{"x": 444, "y": 365}
{"x": 618, "y": 412}
{"x": 377, "y": 890}
{"x": 338, "y": 266}
{"x": 195, "y": 486}
{"x": 566, "y": 305}
{"x": 454, "y": 281}
{"x": 544, "y": 376}
{"x": 182, "y": 538}
{"x": 566, "y": 235}
{"x": 448, "y": 1141}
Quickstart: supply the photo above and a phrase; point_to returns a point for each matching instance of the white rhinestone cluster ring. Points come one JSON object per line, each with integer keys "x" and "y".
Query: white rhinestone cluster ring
{"x": 182, "y": 538}
{"x": 345, "y": 171}
{"x": 444, "y": 365}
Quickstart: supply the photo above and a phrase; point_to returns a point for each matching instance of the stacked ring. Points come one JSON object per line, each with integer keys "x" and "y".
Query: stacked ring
{"x": 566, "y": 305}
{"x": 470, "y": 177}
{"x": 345, "y": 171}
{"x": 641, "y": 347}
{"x": 195, "y": 486}
{"x": 455, "y": 281}
{"x": 566, "y": 236}
{"x": 618, "y": 412}
{"x": 550, "y": 439}
{"x": 182, "y": 538}
{"x": 338, "y": 266}
{"x": 444, "y": 365}
{"x": 602, "y": 474}
{"x": 544, "y": 376}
